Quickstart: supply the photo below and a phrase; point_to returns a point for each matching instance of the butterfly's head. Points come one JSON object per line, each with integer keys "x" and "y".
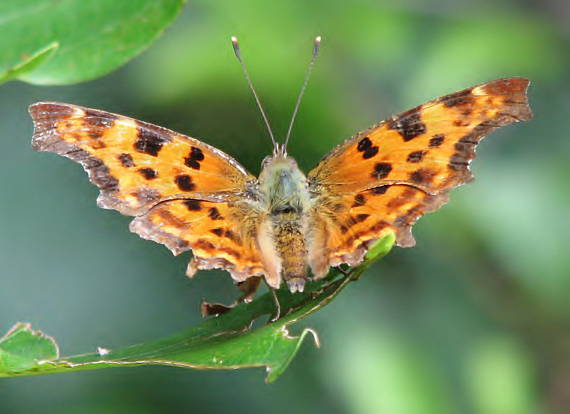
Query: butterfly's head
{"x": 277, "y": 164}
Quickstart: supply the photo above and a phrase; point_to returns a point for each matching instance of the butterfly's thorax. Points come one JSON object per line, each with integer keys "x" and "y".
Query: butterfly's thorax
{"x": 282, "y": 238}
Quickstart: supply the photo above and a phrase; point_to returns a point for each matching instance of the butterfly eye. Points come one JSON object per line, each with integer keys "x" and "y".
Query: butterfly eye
{"x": 283, "y": 210}
{"x": 266, "y": 161}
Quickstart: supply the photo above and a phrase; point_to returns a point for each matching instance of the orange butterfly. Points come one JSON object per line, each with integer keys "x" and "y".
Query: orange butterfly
{"x": 191, "y": 196}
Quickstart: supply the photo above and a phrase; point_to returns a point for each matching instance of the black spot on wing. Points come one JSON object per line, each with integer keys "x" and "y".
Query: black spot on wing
{"x": 192, "y": 163}
{"x": 380, "y": 190}
{"x": 422, "y": 176}
{"x": 359, "y": 200}
{"x": 361, "y": 217}
{"x": 126, "y": 160}
{"x": 149, "y": 141}
{"x": 381, "y": 170}
{"x": 233, "y": 237}
{"x": 217, "y": 231}
{"x": 194, "y": 158}
{"x": 364, "y": 144}
{"x": 184, "y": 182}
{"x": 214, "y": 214}
{"x": 436, "y": 140}
{"x": 408, "y": 125}
{"x": 368, "y": 150}
{"x": 416, "y": 156}
{"x": 192, "y": 205}
{"x": 197, "y": 154}
{"x": 148, "y": 173}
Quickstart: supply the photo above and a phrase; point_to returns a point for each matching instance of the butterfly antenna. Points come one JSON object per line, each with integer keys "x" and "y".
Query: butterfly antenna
{"x": 237, "y": 51}
{"x": 316, "y": 47}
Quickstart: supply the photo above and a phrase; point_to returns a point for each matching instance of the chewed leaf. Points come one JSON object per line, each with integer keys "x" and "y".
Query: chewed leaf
{"x": 223, "y": 342}
{"x": 23, "y": 349}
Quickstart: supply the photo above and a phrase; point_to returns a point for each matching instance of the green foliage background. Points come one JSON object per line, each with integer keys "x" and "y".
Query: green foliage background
{"x": 474, "y": 319}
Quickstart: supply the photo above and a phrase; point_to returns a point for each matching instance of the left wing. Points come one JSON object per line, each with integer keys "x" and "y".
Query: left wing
{"x": 184, "y": 193}
{"x": 388, "y": 176}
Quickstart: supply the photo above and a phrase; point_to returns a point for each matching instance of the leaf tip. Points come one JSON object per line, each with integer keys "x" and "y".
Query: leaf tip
{"x": 315, "y": 336}
{"x": 275, "y": 371}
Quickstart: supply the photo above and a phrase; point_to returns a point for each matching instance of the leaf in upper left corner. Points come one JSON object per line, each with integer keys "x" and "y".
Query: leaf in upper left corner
{"x": 94, "y": 36}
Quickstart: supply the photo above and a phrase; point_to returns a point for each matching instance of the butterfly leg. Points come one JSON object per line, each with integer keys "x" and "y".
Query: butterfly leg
{"x": 277, "y": 313}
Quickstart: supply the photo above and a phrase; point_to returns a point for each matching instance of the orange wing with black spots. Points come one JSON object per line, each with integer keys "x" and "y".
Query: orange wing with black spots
{"x": 346, "y": 225}
{"x": 136, "y": 164}
{"x": 388, "y": 176}
{"x": 221, "y": 235}
{"x": 185, "y": 194}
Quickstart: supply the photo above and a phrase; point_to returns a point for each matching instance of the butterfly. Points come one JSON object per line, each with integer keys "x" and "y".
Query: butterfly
{"x": 283, "y": 227}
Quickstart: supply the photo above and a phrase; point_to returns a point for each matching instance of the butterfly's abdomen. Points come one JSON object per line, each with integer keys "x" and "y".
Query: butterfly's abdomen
{"x": 290, "y": 245}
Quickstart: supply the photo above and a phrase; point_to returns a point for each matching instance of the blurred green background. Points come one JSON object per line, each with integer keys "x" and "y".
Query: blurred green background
{"x": 474, "y": 319}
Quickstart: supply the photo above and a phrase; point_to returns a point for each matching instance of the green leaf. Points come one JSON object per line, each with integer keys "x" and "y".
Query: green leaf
{"x": 28, "y": 64}
{"x": 68, "y": 41}
{"x": 223, "y": 342}
{"x": 22, "y": 349}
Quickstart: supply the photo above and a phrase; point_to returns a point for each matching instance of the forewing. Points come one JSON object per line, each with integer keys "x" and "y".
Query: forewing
{"x": 430, "y": 146}
{"x": 135, "y": 164}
